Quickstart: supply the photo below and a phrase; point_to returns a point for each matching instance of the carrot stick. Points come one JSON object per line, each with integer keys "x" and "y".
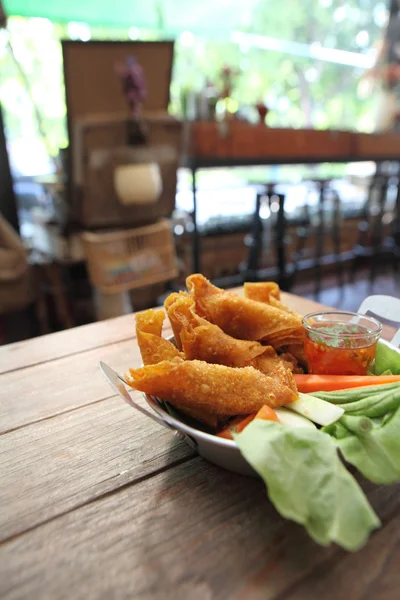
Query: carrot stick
{"x": 330, "y": 383}
{"x": 236, "y": 426}
{"x": 267, "y": 413}
{"x": 239, "y": 423}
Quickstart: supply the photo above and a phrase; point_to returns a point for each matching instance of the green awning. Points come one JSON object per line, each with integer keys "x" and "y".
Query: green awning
{"x": 168, "y": 16}
{"x": 115, "y": 13}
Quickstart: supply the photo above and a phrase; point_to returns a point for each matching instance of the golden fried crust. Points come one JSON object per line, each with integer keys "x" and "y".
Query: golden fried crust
{"x": 153, "y": 347}
{"x": 262, "y": 291}
{"x": 267, "y": 292}
{"x": 150, "y": 321}
{"x": 211, "y": 344}
{"x": 243, "y": 318}
{"x": 291, "y": 362}
{"x": 214, "y": 388}
{"x": 279, "y": 371}
{"x": 175, "y": 324}
{"x": 297, "y": 351}
{"x": 267, "y": 362}
{"x": 202, "y": 340}
{"x": 276, "y": 367}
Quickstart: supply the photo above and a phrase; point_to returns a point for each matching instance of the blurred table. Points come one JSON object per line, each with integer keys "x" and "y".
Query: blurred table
{"x": 96, "y": 501}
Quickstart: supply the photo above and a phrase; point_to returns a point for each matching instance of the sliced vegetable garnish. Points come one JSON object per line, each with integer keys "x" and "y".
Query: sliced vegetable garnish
{"x": 235, "y": 426}
{"x": 267, "y": 413}
{"x": 308, "y": 483}
{"x": 374, "y": 449}
{"x": 353, "y": 394}
{"x": 317, "y": 410}
{"x": 374, "y": 401}
{"x": 387, "y": 358}
{"x": 328, "y": 383}
{"x": 289, "y": 418}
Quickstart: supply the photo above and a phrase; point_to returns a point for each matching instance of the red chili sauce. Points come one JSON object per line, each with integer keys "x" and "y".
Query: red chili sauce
{"x": 340, "y": 352}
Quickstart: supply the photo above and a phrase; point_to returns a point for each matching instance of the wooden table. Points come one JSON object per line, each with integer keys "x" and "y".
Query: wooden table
{"x": 96, "y": 501}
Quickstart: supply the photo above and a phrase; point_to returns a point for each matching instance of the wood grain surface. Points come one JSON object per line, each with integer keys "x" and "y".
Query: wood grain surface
{"x": 76, "y": 457}
{"x": 194, "y": 531}
{"x": 97, "y": 501}
{"x": 65, "y": 343}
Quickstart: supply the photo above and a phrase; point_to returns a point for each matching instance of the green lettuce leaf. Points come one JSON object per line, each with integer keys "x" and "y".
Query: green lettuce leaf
{"x": 376, "y": 453}
{"x": 387, "y": 359}
{"x": 307, "y": 482}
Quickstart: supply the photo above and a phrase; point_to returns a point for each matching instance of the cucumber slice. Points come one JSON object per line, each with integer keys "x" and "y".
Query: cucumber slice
{"x": 319, "y": 411}
{"x": 287, "y": 417}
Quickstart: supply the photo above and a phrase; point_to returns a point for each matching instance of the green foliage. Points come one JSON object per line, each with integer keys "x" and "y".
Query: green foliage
{"x": 299, "y": 91}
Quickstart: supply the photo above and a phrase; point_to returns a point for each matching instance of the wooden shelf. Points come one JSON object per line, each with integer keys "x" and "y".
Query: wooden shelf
{"x": 234, "y": 142}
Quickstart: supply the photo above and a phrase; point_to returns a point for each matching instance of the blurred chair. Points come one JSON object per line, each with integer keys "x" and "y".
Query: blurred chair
{"x": 324, "y": 226}
{"x": 315, "y": 226}
{"x": 252, "y": 268}
{"x": 379, "y": 228}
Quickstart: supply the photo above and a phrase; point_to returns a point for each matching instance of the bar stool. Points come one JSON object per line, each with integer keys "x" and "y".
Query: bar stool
{"x": 372, "y": 244}
{"x": 251, "y": 272}
{"x": 321, "y": 229}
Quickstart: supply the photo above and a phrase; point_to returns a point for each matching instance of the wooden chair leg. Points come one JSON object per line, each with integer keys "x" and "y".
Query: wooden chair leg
{"x": 253, "y": 263}
{"x": 320, "y": 240}
{"x": 280, "y": 243}
{"x": 377, "y": 232}
{"x": 336, "y": 240}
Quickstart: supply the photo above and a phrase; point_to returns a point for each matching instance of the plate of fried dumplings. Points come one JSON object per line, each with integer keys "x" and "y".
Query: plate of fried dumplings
{"x": 229, "y": 356}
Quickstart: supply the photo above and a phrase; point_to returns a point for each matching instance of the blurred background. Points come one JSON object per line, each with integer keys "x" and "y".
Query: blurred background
{"x": 145, "y": 140}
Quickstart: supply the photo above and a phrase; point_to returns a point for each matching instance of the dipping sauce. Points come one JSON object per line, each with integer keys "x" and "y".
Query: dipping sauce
{"x": 340, "y": 343}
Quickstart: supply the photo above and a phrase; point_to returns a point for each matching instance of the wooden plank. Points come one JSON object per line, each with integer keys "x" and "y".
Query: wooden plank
{"x": 378, "y": 145}
{"x": 81, "y": 339}
{"x": 48, "y": 389}
{"x": 194, "y": 531}
{"x": 244, "y": 140}
{"x": 64, "y": 343}
{"x": 59, "y": 464}
{"x": 303, "y": 306}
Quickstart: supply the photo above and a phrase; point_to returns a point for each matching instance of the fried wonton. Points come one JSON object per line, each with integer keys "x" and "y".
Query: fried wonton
{"x": 262, "y": 291}
{"x": 277, "y": 370}
{"x": 276, "y": 367}
{"x": 153, "y": 347}
{"x": 217, "y": 389}
{"x": 202, "y": 340}
{"x": 269, "y": 360}
{"x": 267, "y": 292}
{"x": 296, "y": 351}
{"x": 175, "y": 324}
{"x": 291, "y": 360}
{"x": 243, "y": 318}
